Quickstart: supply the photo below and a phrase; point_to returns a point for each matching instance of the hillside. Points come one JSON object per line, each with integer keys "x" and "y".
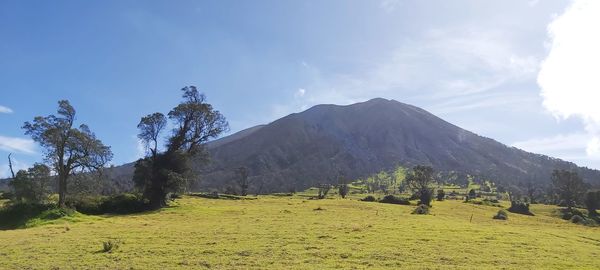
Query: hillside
{"x": 307, "y": 148}
{"x": 287, "y": 233}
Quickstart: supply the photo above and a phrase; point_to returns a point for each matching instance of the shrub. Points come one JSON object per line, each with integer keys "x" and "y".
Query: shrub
{"x": 425, "y": 196}
{"x": 422, "y": 209}
{"x": 117, "y": 204}
{"x": 124, "y": 204}
{"x": 369, "y": 198}
{"x": 16, "y": 215}
{"x": 394, "y": 200}
{"x": 440, "y": 195}
{"x": 502, "y": 215}
{"x": 568, "y": 214}
{"x": 6, "y": 196}
{"x": 577, "y": 219}
{"x": 109, "y": 246}
{"x": 519, "y": 207}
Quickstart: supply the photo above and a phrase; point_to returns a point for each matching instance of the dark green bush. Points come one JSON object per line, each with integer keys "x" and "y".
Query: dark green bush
{"x": 6, "y": 196}
{"x": 502, "y": 215}
{"x": 125, "y": 203}
{"x": 394, "y": 200}
{"x": 16, "y": 215}
{"x": 577, "y": 219}
{"x": 440, "y": 195}
{"x": 568, "y": 214}
{"x": 109, "y": 246}
{"x": 369, "y": 198}
{"x": 422, "y": 209}
{"x": 520, "y": 207}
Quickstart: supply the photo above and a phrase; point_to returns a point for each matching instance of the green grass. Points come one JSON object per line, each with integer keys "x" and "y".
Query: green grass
{"x": 280, "y": 232}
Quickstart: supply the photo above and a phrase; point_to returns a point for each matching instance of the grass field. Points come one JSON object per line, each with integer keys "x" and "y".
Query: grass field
{"x": 288, "y": 233}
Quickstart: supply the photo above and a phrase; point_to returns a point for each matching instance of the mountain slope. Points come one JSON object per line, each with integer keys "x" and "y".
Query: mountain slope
{"x": 304, "y": 149}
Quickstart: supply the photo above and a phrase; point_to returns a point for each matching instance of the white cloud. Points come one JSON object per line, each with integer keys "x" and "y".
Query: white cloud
{"x": 19, "y": 145}
{"x": 389, "y": 5}
{"x": 4, "y": 109}
{"x": 569, "y": 80}
{"x": 300, "y": 93}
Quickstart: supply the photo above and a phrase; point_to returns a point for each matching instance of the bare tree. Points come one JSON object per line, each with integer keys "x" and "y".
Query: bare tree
{"x": 242, "y": 180}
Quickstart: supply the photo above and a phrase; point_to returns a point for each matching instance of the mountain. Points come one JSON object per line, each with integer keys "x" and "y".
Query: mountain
{"x": 311, "y": 147}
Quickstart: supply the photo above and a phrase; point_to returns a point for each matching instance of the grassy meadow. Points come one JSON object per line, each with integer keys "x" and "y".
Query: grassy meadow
{"x": 286, "y": 232}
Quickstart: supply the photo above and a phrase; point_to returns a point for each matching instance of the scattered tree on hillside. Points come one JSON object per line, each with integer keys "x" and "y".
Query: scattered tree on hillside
{"x": 68, "y": 149}
{"x": 420, "y": 180}
{"x": 568, "y": 186}
{"x": 242, "y": 180}
{"x": 441, "y": 195}
{"x": 532, "y": 192}
{"x": 592, "y": 202}
{"x": 323, "y": 190}
{"x": 472, "y": 195}
{"x": 343, "y": 188}
{"x": 161, "y": 173}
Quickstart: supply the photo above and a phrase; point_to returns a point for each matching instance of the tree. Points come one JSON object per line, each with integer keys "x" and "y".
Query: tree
{"x": 420, "y": 179}
{"x": 243, "y": 180}
{"x": 568, "y": 186}
{"x": 323, "y": 190}
{"x": 67, "y": 148}
{"x": 592, "y": 202}
{"x": 532, "y": 191}
{"x": 472, "y": 195}
{"x": 440, "y": 195}
{"x": 32, "y": 185}
{"x": 343, "y": 188}
{"x": 195, "y": 122}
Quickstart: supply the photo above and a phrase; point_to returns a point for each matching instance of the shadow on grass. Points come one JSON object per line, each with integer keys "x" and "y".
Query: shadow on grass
{"x": 220, "y": 196}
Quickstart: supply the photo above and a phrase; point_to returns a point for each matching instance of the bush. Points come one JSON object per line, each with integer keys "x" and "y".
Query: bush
{"x": 577, "y": 219}
{"x": 125, "y": 203}
{"x": 422, "y": 209}
{"x": 567, "y": 215}
{"x": 502, "y": 215}
{"x": 109, "y": 246}
{"x": 519, "y": 207}
{"x": 6, "y": 196}
{"x": 369, "y": 198}
{"x": 440, "y": 195}
{"x": 16, "y": 215}
{"x": 394, "y": 200}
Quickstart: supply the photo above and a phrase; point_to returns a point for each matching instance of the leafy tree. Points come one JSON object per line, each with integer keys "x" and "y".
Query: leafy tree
{"x": 568, "y": 186}
{"x": 592, "y": 202}
{"x": 243, "y": 180}
{"x": 161, "y": 173}
{"x": 420, "y": 179}
{"x": 472, "y": 195}
{"x": 532, "y": 192}
{"x": 67, "y": 148}
{"x": 343, "y": 188}
{"x": 32, "y": 185}
{"x": 440, "y": 195}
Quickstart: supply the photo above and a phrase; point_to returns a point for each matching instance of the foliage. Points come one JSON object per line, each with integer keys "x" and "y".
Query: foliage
{"x": 592, "y": 202}
{"x": 420, "y": 179}
{"x": 343, "y": 190}
{"x": 19, "y": 215}
{"x": 323, "y": 190}
{"x": 502, "y": 215}
{"x": 394, "y": 200}
{"x": 369, "y": 198}
{"x": 195, "y": 122}
{"x": 422, "y": 209}
{"x": 32, "y": 185}
{"x": 520, "y": 207}
{"x": 67, "y": 148}
{"x": 124, "y": 203}
{"x": 472, "y": 194}
{"x": 568, "y": 185}
{"x": 440, "y": 195}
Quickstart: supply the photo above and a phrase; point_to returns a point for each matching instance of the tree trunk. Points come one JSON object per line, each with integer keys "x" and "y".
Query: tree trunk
{"x": 62, "y": 190}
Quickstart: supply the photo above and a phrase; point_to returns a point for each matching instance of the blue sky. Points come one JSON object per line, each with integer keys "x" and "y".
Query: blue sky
{"x": 476, "y": 64}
